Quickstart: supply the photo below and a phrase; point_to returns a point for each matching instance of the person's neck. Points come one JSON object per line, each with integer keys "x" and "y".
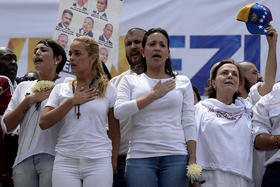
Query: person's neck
{"x": 242, "y": 91}
{"x": 137, "y": 68}
{"x": 83, "y": 81}
{"x": 157, "y": 74}
{"x": 225, "y": 98}
{"x": 48, "y": 77}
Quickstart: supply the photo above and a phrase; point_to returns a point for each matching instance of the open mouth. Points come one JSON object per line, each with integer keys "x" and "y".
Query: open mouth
{"x": 157, "y": 56}
{"x": 38, "y": 60}
{"x": 229, "y": 83}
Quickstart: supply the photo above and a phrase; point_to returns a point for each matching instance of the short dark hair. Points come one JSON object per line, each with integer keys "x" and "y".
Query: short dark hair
{"x": 67, "y": 11}
{"x": 57, "y": 51}
{"x": 211, "y": 91}
{"x": 90, "y": 19}
{"x": 168, "y": 63}
{"x": 134, "y": 30}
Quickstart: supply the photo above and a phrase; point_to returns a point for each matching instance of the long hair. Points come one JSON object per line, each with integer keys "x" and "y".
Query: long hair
{"x": 101, "y": 82}
{"x": 168, "y": 63}
{"x": 211, "y": 92}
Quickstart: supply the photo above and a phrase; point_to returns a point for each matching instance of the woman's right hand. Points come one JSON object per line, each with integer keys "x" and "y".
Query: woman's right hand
{"x": 161, "y": 89}
{"x": 84, "y": 95}
{"x": 39, "y": 96}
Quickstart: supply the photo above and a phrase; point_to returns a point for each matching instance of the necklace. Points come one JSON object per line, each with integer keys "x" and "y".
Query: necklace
{"x": 77, "y": 107}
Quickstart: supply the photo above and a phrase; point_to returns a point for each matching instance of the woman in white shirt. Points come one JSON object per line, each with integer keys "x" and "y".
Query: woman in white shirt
{"x": 161, "y": 108}
{"x": 84, "y": 152}
{"x": 224, "y": 143}
{"x": 34, "y": 162}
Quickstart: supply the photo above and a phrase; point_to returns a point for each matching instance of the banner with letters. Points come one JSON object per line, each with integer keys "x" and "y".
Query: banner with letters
{"x": 202, "y": 32}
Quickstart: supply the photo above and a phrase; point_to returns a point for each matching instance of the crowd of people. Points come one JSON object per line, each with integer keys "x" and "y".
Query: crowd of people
{"x": 143, "y": 127}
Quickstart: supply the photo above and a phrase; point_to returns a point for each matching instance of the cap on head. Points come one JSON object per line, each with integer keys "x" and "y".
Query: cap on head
{"x": 256, "y": 16}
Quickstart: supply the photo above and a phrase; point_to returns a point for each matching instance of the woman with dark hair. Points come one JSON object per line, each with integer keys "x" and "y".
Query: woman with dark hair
{"x": 160, "y": 105}
{"x": 224, "y": 144}
{"x": 85, "y": 154}
{"x": 196, "y": 94}
{"x": 34, "y": 162}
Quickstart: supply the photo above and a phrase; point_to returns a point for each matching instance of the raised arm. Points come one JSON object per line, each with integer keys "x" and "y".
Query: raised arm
{"x": 271, "y": 63}
{"x": 13, "y": 118}
{"x": 159, "y": 91}
{"x": 126, "y": 107}
{"x": 51, "y": 115}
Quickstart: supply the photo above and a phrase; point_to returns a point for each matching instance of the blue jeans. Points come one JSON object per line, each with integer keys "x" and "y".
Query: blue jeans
{"x": 163, "y": 171}
{"x": 34, "y": 171}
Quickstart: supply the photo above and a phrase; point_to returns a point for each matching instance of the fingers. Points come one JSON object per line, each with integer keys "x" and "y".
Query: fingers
{"x": 271, "y": 32}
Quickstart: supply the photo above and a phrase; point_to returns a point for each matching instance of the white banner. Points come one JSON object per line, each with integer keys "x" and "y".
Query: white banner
{"x": 202, "y": 32}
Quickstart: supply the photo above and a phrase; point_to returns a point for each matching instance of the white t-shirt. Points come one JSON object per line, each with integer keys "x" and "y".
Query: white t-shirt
{"x": 32, "y": 139}
{"x": 254, "y": 95}
{"x": 164, "y": 126}
{"x": 124, "y": 124}
{"x": 85, "y": 137}
{"x": 266, "y": 120}
{"x": 225, "y": 140}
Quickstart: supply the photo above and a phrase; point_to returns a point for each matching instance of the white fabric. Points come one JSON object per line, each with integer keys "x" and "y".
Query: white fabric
{"x": 258, "y": 156}
{"x": 85, "y": 137}
{"x": 164, "y": 126}
{"x": 253, "y": 95}
{"x": 124, "y": 124}
{"x": 216, "y": 178}
{"x": 32, "y": 139}
{"x": 266, "y": 120}
{"x": 225, "y": 136}
{"x": 68, "y": 172}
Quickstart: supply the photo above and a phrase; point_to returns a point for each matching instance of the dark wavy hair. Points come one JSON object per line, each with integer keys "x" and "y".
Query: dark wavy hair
{"x": 168, "y": 63}
{"x": 211, "y": 91}
{"x": 57, "y": 51}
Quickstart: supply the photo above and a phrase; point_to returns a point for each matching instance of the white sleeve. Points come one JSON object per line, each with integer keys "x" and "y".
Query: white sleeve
{"x": 261, "y": 123}
{"x": 124, "y": 106}
{"x": 14, "y": 102}
{"x": 188, "y": 121}
{"x": 254, "y": 95}
{"x": 111, "y": 90}
{"x": 53, "y": 100}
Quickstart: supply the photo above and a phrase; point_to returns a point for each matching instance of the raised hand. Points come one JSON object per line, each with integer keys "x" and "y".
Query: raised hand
{"x": 83, "y": 95}
{"x": 161, "y": 89}
{"x": 39, "y": 96}
{"x": 271, "y": 36}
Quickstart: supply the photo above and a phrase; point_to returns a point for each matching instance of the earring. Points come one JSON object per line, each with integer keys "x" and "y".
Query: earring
{"x": 55, "y": 63}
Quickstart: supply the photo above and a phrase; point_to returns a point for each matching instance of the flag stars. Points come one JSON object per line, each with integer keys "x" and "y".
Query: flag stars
{"x": 261, "y": 20}
{"x": 260, "y": 27}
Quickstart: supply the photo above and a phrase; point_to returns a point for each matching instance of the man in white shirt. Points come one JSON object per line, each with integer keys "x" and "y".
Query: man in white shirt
{"x": 251, "y": 86}
{"x": 253, "y": 89}
{"x": 133, "y": 43}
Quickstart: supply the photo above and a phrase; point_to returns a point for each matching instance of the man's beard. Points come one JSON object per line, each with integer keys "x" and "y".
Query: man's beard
{"x": 137, "y": 66}
{"x": 248, "y": 84}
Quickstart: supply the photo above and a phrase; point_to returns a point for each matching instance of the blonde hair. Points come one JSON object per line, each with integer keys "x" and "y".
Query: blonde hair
{"x": 101, "y": 81}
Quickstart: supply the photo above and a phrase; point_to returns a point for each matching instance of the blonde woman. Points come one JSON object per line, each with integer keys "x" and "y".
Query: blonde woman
{"x": 82, "y": 107}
